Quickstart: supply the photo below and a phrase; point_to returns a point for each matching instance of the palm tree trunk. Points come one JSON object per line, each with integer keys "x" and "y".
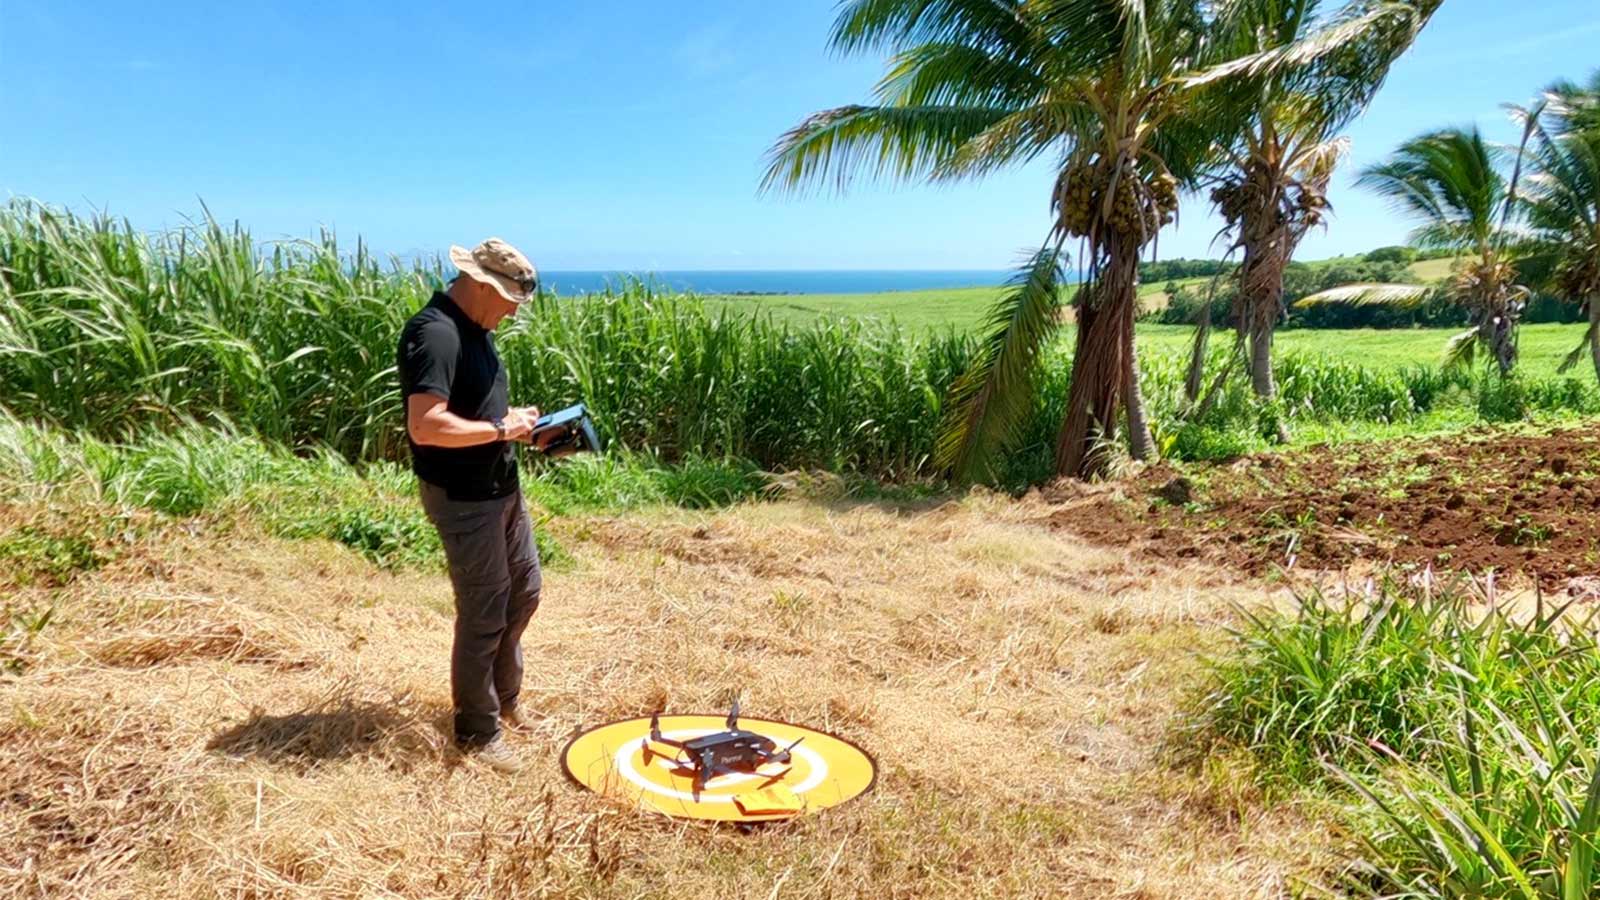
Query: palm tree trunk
{"x": 1261, "y": 284}
{"x": 1194, "y": 381}
{"x": 1261, "y": 361}
{"x": 1266, "y": 255}
{"x": 1101, "y": 363}
{"x": 1141, "y": 445}
{"x": 1502, "y": 334}
{"x": 1594, "y": 333}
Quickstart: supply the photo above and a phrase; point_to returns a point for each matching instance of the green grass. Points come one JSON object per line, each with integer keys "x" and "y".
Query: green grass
{"x": 921, "y": 312}
{"x": 1427, "y": 270}
{"x": 210, "y": 472}
{"x": 960, "y": 309}
{"x": 37, "y": 554}
{"x": 113, "y": 333}
{"x": 1458, "y": 739}
{"x": 1541, "y": 347}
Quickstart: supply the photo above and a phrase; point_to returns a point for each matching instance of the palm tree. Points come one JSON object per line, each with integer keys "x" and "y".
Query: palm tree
{"x": 1451, "y": 180}
{"x": 1276, "y": 188}
{"x": 1130, "y": 97}
{"x": 1562, "y": 199}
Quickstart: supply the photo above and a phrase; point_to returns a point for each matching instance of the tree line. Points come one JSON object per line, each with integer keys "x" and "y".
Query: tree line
{"x": 1140, "y": 102}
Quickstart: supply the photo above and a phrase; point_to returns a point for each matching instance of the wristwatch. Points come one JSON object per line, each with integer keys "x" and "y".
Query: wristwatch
{"x": 500, "y": 427}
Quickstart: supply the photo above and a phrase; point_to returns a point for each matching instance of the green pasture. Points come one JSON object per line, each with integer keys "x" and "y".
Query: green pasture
{"x": 961, "y": 309}
{"x": 1542, "y": 346}
{"x": 920, "y": 311}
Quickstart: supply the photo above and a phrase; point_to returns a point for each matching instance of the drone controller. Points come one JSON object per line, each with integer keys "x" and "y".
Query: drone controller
{"x": 572, "y": 430}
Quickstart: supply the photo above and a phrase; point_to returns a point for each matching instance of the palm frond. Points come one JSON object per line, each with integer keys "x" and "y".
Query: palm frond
{"x": 1530, "y": 127}
{"x": 1314, "y": 164}
{"x": 992, "y": 397}
{"x": 1405, "y": 189}
{"x": 1461, "y": 349}
{"x": 1018, "y": 138}
{"x": 1099, "y": 34}
{"x": 1577, "y": 353}
{"x": 1560, "y": 194}
{"x": 904, "y": 142}
{"x": 1403, "y": 296}
{"x": 1447, "y": 178}
{"x": 1441, "y": 236}
{"x": 878, "y": 24}
{"x": 1344, "y": 81}
{"x": 1135, "y": 29}
{"x": 1394, "y": 24}
{"x": 1574, "y": 107}
{"x": 958, "y": 74}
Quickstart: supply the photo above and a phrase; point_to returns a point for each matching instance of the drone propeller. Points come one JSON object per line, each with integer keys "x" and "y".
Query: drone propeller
{"x": 784, "y": 754}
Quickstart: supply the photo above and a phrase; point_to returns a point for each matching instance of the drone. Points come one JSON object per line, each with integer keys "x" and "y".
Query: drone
{"x": 734, "y": 751}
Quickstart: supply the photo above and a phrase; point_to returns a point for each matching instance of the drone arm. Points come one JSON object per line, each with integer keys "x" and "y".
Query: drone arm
{"x": 703, "y": 772}
{"x": 656, "y": 736}
{"x": 786, "y": 754}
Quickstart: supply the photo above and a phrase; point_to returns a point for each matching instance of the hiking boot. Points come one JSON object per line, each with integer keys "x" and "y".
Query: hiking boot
{"x": 499, "y": 756}
{"x": 517, "y": 720}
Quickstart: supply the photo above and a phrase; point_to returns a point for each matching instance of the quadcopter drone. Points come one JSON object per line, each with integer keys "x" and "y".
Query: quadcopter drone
{"x": 734, "y": 751}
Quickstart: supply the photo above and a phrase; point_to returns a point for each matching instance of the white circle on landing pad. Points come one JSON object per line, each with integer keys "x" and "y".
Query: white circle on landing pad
{"x": 825, "y": 770}
{"x": 623, "y": 761}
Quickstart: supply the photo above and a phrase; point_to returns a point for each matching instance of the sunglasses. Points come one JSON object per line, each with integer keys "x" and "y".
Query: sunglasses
{"x": 528, "y": 285}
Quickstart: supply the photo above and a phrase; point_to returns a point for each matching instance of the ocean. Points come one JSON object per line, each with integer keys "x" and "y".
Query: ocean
{"x": 842, "y": 281}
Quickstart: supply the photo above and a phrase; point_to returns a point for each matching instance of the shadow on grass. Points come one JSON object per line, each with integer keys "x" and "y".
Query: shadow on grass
{"x": 391, "y": 732}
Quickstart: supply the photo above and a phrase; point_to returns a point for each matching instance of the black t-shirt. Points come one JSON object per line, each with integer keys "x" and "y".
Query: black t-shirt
{"x": 442, "y": 352}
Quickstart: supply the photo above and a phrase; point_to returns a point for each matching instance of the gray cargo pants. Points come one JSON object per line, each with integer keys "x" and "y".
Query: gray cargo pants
{"x": 494, "y": 568}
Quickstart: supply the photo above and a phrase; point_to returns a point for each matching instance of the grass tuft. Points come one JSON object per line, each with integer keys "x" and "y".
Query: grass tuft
{"x": 1459, "y": 735}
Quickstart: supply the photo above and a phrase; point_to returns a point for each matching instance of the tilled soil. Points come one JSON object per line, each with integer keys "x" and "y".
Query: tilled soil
{"x": 1520, "y": 503}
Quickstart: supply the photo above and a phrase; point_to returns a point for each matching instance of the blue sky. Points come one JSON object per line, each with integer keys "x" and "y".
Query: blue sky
{"x": 627, "y": 134}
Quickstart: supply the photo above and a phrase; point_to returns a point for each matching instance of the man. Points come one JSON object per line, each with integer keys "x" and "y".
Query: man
{"x": 462, "y": 433}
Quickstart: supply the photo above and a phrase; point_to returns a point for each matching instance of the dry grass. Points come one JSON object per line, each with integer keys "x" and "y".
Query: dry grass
{"x": 241, "y": 717}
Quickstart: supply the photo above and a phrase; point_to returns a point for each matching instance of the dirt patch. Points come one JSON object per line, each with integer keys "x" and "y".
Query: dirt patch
{"x": 1513, "y": 503}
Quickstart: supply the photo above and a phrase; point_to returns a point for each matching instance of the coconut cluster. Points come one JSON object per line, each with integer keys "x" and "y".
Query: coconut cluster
{"x": 1311, "y": 204}
{"x": 1237, "y": 198}
{"x": 1138, "y": 205}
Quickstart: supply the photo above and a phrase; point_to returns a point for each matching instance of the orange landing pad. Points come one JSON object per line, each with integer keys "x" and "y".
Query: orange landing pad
{"x": 825, "y": 771}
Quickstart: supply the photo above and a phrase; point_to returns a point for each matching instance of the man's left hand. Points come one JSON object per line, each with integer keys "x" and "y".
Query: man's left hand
{"x": 535, "y": 440}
